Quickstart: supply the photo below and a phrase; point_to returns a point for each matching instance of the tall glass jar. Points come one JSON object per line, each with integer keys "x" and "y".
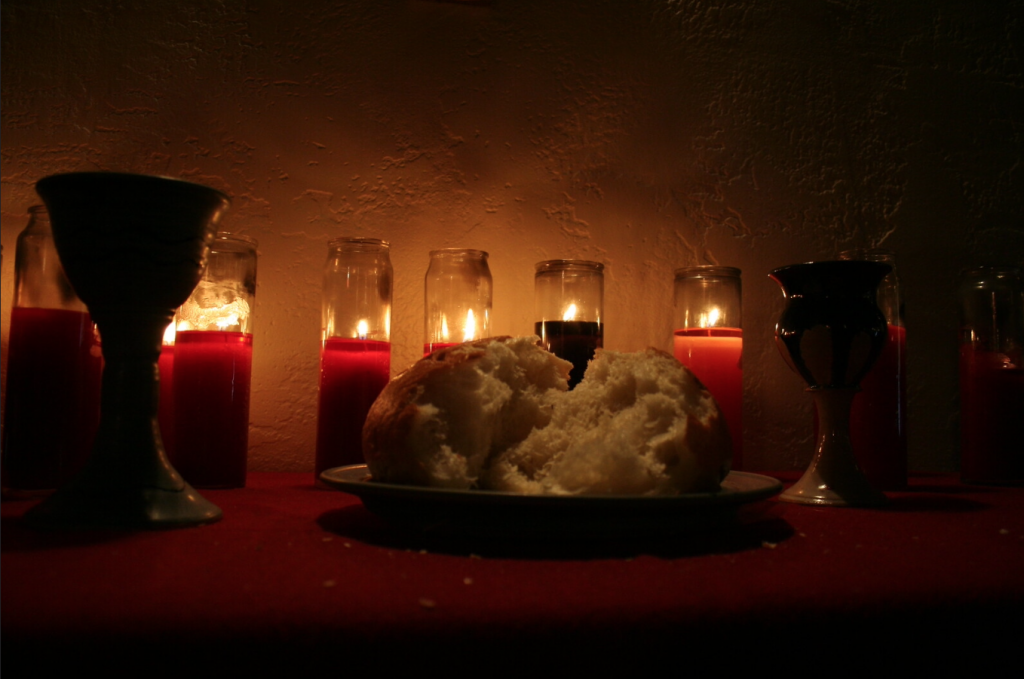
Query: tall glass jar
{"x": 355, "y": 352}
{"x": 878, "y": 417}
{"x": 709, "y": 339}
{"x": 54, "y": 369}
{"x": 458, "y": 290}
{"x": 213, "y": 368}
{"x": 992, "y": 376}
{"x": 569, "y": 308}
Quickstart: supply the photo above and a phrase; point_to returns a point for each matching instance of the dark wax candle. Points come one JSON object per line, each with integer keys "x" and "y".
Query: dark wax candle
{"x": 574, "y": 341}
{"x": 352, "y": 374}
{"x": 52, "y": 404}
{"x": 878, "y": 417}
{"x": 212, "y": 374}
{"x": 991, "y": 417}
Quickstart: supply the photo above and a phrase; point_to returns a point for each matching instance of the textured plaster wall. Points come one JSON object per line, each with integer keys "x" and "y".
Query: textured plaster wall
{"x": 648, "y": 134}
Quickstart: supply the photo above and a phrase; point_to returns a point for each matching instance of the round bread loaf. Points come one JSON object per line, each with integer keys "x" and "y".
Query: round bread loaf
{"x": 495, "y": 414}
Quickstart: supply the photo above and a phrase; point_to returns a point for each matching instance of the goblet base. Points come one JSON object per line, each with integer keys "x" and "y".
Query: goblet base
{"x": 84, "y": 505}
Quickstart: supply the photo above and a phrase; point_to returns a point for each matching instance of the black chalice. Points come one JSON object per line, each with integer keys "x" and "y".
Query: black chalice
{"x": 133, "y": 247}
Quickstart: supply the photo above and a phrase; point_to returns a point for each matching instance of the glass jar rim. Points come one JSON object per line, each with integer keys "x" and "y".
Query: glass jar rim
{"x": 234, "y": 242}
{"x": 993, "y": 270}
{"x": 358, "y": 240}
{"x": 708, "y": 271}
{"x": 459, "y": 252}
{"x": 558, "y": 264}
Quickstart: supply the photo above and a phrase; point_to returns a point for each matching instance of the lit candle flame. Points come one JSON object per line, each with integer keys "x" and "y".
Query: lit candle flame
{"x": 469, "y": 331}
{"x": 710, "y": 319}
{"x": 444, "y": 328}
{"x": 570, "y": 313}
{"x": 169, "y": 333}
{"x": 362, "y": 329}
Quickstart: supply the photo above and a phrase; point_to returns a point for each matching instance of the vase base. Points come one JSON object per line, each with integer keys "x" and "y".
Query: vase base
{"x": 851, "y": 491}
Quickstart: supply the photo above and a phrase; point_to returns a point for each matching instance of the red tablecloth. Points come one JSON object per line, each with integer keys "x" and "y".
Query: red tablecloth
{"x": 296, "y": 575}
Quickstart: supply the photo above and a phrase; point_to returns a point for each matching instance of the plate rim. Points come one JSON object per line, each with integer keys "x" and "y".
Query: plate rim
{"x": 764, "y": 487}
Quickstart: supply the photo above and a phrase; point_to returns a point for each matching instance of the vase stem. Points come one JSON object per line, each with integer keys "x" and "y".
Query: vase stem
{"x": 833, "y": 477}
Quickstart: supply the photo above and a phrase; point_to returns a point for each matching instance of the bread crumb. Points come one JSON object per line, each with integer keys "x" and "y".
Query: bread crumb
{"x": 1004, "y": 531}
{"x": 467, "y": 581}
{"x": 769, "y": 545}
{"x": 329, "y": 583}
{"x": 427, "y": 603}
{"x": 328, "y": 538}
{"x": 347, "y": 544}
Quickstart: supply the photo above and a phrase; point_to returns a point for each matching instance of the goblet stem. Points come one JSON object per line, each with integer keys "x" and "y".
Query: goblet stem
{"x": 833, "y": 477}
{"x": 128, "y": 442}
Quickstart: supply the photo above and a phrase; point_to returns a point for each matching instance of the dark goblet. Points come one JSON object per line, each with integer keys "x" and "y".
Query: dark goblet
{"x": 133, "y": 247}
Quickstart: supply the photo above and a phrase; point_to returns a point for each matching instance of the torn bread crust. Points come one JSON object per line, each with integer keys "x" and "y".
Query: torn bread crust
{"x": 496, "y": 414}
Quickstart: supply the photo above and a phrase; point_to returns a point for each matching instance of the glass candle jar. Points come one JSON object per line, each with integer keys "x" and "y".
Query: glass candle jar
{"x": 213, "y": 368}
{"x": 54, "y": 369}
{"x": 458, "y": 291}
{"x": 709, "y": 339}
{"x": 355, "y": 354}
{"x": 878, "y": 416}
{"x": 569, "y": 306}
{"x": 992, "y": 376}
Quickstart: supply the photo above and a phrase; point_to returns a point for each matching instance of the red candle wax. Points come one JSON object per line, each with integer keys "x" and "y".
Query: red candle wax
{"x": 352, "y": 374}
{"x": 212, "y": 375}
{"x": 715, "y": 357}
{"x": 431, "y": 347}
{"x": 166, "y": 365}
{"x": 878, "y": 417}
{"x": 573, "y": 341}
{"x": 991, "y": 417}
{"x": 54, "y": 370}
